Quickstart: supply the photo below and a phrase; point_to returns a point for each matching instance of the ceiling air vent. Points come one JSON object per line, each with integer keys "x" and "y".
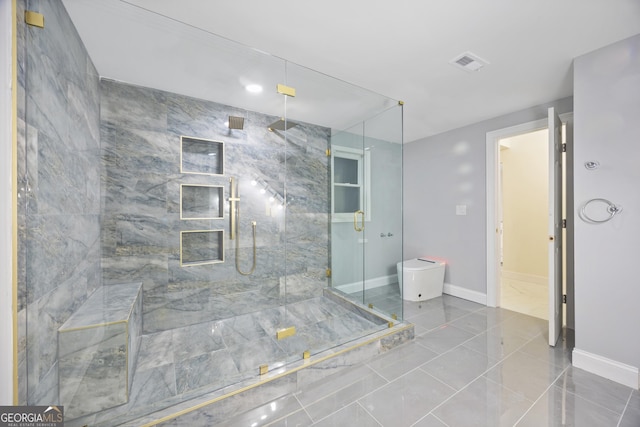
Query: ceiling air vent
{"x": 469, "y": 62}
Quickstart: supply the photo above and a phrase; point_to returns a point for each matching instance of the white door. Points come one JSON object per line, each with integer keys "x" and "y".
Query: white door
{"x": 555, "y": 227}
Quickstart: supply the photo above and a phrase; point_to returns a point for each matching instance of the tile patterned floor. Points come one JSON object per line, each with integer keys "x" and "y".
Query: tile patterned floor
{"x": 468, "y": 366}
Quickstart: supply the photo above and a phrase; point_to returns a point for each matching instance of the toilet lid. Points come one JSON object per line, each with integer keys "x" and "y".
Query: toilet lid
{"x": 416, "y": 264}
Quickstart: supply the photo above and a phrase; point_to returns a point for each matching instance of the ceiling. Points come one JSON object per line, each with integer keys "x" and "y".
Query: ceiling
{"x": 400, "y": 49}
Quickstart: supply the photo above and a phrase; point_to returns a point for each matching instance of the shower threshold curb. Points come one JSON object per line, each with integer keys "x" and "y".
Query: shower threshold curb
{"x": 378, "y": 342}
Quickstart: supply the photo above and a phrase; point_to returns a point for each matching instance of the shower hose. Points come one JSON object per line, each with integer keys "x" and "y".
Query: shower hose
{"x": 253, "y": 265}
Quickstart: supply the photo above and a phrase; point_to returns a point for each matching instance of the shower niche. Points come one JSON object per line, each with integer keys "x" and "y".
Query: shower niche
{"x": 199, "y": 201}
{"x": 201, "y": 156}
{"x": 200, "y": 247}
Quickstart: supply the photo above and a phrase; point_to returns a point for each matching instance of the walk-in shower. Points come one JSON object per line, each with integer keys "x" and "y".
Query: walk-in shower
{"x": 176, "y": 245}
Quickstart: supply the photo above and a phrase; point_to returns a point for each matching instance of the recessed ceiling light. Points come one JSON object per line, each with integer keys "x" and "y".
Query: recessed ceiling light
{"x": 253, "y": 88}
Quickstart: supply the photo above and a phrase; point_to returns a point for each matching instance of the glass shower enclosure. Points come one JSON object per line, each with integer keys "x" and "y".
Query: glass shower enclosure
{"x": 366, "y": 212}
{"x": 178, "y": 239}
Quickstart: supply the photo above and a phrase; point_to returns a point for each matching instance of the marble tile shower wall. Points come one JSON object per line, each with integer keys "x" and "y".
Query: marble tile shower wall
{"x": 98, "y": 165}
{"x": 59, "y": 191}
{"x": 141, "y": 178}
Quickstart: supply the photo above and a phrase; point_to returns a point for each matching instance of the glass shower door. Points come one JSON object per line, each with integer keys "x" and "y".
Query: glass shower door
{"x": 382, "y": 148}
{"x": 366, "y": 212}
{"x": 349, "y": 212}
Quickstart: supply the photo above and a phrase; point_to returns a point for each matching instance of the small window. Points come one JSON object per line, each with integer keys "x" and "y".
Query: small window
{"x": 350, "y": 189}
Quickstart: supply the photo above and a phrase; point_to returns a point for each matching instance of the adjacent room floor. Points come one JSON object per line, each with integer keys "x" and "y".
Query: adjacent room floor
{"x": 525, "y": 297}
{"x": 468, "y": 366}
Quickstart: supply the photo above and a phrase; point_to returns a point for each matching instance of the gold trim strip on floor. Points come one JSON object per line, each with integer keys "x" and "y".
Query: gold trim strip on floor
{"x": 275, "y": 377}
{"x": 95, "y": 325}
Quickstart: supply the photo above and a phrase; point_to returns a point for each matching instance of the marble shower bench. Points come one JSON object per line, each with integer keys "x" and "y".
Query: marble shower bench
{"x": 97, "y": 350}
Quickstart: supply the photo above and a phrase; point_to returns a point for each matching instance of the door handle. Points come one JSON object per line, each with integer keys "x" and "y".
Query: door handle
{"x": 355, "y": 220}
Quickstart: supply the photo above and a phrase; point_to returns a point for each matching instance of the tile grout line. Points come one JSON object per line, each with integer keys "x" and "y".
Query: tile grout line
{"x": 475, "y": 334}
{"x": 479, "y": 376}
{"x": 433, "y": 415}
{"x": 303, "y": 407}
{"x": 340, "y": 389}
{"x": 541, "y": 395}
{"x": 438, "y": 355}
{"x": 625, "y": 408}
{"x": 468, "y": 384}
{"x": 357, "y": 402}
{"x": 594, "y": 402}
{"x": 463, "y": 388}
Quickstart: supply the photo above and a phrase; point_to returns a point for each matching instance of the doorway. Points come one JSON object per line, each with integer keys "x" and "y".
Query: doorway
{"x": 493, "y": 193}
{"x": 523, "y": 212}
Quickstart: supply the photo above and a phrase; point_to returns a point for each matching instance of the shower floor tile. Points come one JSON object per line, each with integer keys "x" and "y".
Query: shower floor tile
{"x": 188, "y": 361}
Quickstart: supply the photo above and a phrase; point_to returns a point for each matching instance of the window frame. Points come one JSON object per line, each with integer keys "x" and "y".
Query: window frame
{"x": 363, "y": 158}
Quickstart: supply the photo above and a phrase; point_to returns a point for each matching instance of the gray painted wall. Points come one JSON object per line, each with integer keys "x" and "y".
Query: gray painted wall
{"x": 383, "y": 253}
{"x": 607, "y": 107}
{"x": 446, "y": 170}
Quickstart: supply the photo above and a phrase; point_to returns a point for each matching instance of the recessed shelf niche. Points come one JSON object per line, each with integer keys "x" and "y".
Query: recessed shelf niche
{"x": 200, "y": 247}
{"x": 201, "y": 201}
{"x": 201, "y": 156}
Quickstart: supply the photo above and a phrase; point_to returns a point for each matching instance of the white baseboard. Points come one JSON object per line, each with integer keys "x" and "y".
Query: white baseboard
{"x": 524, "y": 277}
{"x": 464, "y": 293}
{"x": 350, "y": 288}
{"x": 449, "y": 289}
{"x": 607, "y": 368}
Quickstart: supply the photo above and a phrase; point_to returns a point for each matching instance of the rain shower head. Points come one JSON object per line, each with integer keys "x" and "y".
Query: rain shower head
{"x": 236, "y": 122}
{"x": 281, "y": 125}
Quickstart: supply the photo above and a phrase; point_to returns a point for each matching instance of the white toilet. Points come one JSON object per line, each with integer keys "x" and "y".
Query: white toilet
{"x": 420, "y": 279}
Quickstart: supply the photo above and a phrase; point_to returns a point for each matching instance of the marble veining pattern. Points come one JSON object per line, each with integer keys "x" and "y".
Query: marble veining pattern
{"x": 106, "y": 305}
{"x": 141, "y": 130}
{"x": 59, "y": 211}
{"x": 188, "y": 362}
{"x": 98, "y": 348}
{"x": 99, "y": 162}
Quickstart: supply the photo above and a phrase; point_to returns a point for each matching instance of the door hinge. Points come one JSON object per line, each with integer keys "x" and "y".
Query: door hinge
{"x": 564, "y": 223}
{"x": 564, "y": 298}
{"x": 564, "y": 148}
{"x": 328, "y": 152}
